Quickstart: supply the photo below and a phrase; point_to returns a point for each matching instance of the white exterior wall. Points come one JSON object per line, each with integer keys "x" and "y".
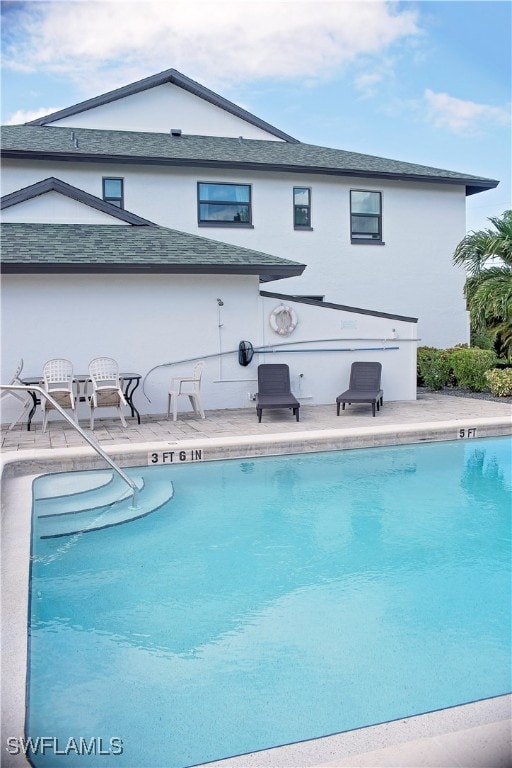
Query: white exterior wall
{"x": 57, "y": 209}
{"x": 140, "y": 320}
{"x": 357, "y": 337}
{"x": 164, "y": 107}
{"x": 144, "y": 321}
{"x": 411, "y": 275}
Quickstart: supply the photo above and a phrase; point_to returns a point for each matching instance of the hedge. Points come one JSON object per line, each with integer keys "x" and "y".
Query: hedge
{"x": 500, "y": 382}
{"x": 433, "y": 367}
{"x": 460, "y": 366}
{"x": 469, "y": 367}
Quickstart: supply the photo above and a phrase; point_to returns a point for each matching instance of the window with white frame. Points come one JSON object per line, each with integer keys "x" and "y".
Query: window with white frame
{"x": 224, "y": 204}
{"x": 302, "y": 207}
{"x": 365, "y": 216}
{"x": 113, "y": 191}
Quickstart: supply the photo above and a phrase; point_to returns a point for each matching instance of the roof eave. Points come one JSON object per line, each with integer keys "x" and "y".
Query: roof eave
{"x": 473, "y": 186}
{"x": 265, "y": 272}
{"x": 340, "y": 307}
{"x": 474, "y": 189}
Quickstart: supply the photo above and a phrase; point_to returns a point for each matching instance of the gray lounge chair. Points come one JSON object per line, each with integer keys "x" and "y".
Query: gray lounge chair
{"x": 274, "y": 389}
{"x": 364, "y": 386}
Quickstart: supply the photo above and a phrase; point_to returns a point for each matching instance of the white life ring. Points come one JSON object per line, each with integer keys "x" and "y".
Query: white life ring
{"x": 283, "y": 320}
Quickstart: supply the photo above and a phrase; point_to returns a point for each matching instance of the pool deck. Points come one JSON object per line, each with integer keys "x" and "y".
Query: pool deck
{"x": 230, "y": 433}
{"x": 476, "y": 735}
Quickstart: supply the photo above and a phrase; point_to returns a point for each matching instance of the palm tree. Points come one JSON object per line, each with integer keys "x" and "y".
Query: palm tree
{"x": 487, "y": 257}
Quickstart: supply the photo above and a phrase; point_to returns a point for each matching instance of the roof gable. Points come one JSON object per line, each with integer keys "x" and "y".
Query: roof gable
{"x": 173, "y": 77}
{"x": 51, "y": 184}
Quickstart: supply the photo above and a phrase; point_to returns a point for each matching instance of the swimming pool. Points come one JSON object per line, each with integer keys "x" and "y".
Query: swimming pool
{"x": 272, "y": 601}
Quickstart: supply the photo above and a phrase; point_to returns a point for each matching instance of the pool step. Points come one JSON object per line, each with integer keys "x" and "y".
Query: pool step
{"x": 93, "y": 497}
{"x": 70, "y": 483}
{"x": 101, "y": 507}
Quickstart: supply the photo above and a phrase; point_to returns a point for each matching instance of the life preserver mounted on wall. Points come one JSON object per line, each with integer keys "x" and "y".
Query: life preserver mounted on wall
{"x": 283, "y": 320}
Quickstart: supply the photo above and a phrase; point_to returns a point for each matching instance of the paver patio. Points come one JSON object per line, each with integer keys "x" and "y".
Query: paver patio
{"x": 429, "y": 407}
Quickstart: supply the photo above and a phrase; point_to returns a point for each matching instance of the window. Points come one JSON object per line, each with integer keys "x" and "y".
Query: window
{"x": 365, "y": 216}
{"x": 302, "y": 207}
{"x": 224, "y": 204}
{"x": 113, "y": 192}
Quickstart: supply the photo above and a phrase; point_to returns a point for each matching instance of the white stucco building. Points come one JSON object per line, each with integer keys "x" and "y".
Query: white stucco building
{"x": 126, "y": 218}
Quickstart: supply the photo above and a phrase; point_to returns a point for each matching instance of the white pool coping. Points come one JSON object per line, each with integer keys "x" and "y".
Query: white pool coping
{"x": 41, "y": 460}
{"x": 488, "y": 720}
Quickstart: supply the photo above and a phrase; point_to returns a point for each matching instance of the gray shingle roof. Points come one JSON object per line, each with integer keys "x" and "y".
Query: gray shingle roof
{"x": 51, "y": 142}
{"x": 126, "y": 248}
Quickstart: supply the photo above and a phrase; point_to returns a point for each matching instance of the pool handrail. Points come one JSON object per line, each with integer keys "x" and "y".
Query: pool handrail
{"x": 88, "y": 438}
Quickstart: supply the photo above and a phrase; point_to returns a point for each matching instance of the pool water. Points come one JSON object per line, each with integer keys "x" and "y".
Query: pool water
{"x": 274, "y": 600}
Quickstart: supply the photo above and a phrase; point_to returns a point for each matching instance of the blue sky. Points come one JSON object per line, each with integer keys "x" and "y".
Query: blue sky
{"x": 425, "y": 82}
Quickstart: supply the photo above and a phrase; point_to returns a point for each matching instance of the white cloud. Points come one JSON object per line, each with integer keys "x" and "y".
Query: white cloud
{"x": 367, "y": 83}
{"x": 375, "y": 78}
{"x": 109, "y": 43}
{"x": 24, "y": 116}
{"x": 461, "y": 116}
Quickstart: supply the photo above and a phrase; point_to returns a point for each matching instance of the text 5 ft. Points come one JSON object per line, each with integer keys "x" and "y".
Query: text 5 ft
{"x": 467, "y": 432}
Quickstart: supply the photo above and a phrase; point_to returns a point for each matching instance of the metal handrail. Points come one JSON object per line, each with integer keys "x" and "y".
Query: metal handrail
{"x": 88, "y": 438}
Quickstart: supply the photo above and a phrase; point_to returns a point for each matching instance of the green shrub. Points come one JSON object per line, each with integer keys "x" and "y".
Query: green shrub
{"x": 433, "y": 367}
{"x": 470, "y": 365}
{"x": 483, "y": 338}
{"x": 500, "y": 382}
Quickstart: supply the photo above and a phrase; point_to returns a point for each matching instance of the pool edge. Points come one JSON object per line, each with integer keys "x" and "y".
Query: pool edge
{"x": 18, "y": 470}
{"x": 347, "y": 747}
{"x": 16, "y": 463}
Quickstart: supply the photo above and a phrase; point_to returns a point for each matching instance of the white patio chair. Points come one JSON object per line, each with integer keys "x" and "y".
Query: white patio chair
{"x": 190, "y": 386}
{"x": 26, "y": 399}
{"x": 59, "y": 382}
{"x": 107, "y": 388}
